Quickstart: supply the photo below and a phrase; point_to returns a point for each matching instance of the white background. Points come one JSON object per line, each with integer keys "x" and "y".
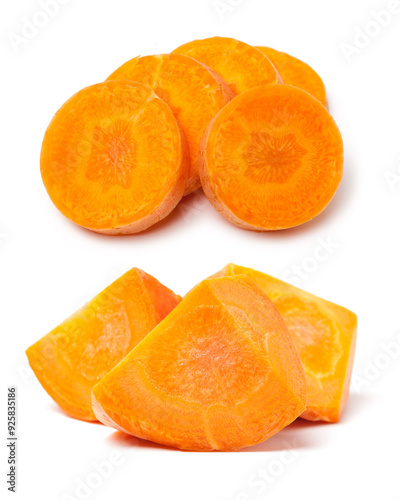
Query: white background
{"x": 49, "y": 266}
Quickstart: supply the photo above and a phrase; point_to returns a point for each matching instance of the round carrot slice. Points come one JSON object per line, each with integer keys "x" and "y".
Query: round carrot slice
{"x": 114, "y": 159}
{"x": 240, "y": 65}
{"x": 297, "y": 73}
{"x": 271, "y": 159}
{"x": 194, "y": 93}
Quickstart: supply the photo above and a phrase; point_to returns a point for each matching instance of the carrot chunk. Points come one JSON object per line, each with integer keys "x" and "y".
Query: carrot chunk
{"x": 220, "y": 372}
{"x": 325, "y": 336}
{"x": 74, "y": 356}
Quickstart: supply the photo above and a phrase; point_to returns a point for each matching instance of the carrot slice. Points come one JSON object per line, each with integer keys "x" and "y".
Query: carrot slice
{"x": 271, "y": 159}
{"x": 220, "y": 372}
{"x": 325, "y": 336}
{"x": 240, "y": 65}
{"x": 194, "y": 92}
{"x": 74, "y": 356}
{"x": 114, "y": 159}
{"x": 297, "y": 73}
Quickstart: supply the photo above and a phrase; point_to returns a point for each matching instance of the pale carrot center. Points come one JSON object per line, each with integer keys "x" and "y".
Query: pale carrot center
{"x": 113, "y": 155}
{"x": 271, "y": 158}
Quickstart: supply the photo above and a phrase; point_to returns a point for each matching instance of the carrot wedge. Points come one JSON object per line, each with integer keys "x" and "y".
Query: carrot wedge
{"x": 74, "y": 356}
{"x": 220, "y": 372}
{"x": 325, "y": 336}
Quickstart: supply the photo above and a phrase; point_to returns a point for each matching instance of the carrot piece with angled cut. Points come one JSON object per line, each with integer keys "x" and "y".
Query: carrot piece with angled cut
{"x": 114, "y": 159}
{"x": 297, "y": 73}
{"x": 240, "y": 65}
{"x": 74, "y": 356}
{"x": 220, "y": 372}
{"x": 194, "y": 92}
{"x": 325, "y": 336}
{"x": 272, "y": 158}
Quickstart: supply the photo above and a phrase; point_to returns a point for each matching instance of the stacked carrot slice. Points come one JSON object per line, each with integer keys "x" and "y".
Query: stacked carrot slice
{"x": 248, "y": 124}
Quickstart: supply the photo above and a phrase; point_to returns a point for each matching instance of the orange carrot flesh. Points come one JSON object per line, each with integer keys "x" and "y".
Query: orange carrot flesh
{"x": 194, "y": 92}
{"x": 114, "y": 159}
{"x": 220, "y": 372}
{"x": 74, "y": 356}
{"x": 325, "y": 337}
{"x": 240, "y": 65}
{"x": 297, "y": 73}
{"x": 271, "y": 159}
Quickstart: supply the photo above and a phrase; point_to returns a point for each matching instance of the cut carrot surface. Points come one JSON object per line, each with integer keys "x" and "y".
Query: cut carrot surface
{"x": 297, "y": 73}
{"x": 74, "y": 356}
{"x": 119, "y": 156}
{"x": 194, "y": 92}
{"x": 221, "y": 372}
{"x": 271, "y": 159}
{"x": 114, "y": 159}
{"x": 325, "y": 336}
{"x": 240, "y": 65}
